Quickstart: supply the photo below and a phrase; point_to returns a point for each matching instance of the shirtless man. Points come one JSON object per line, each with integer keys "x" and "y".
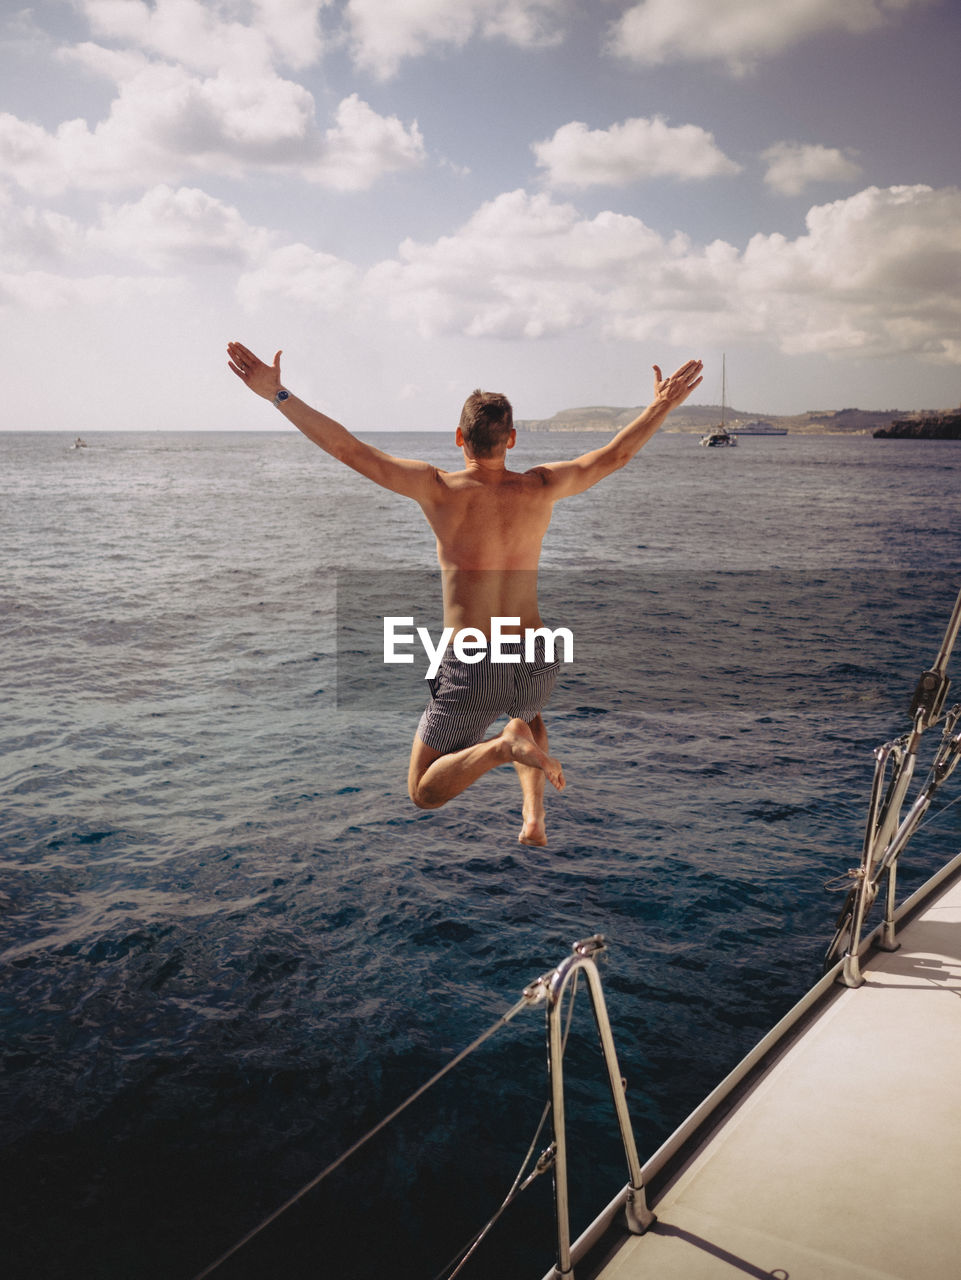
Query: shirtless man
{"x": 489, "y": 523}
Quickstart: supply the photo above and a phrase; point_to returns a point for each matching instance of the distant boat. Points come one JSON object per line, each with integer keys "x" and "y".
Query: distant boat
{"x": 79, "y": 443}
{"x": 759, "y": 429}
{"x": 719, "y": 437}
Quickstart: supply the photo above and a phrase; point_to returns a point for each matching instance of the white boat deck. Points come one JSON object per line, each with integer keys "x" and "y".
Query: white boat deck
{"x": 844, "y": 1161}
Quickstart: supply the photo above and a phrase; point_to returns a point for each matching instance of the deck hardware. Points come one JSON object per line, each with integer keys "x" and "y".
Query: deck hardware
{"x": 638, "y": 1216}
{"x": 537, "y": 991}
{"x": 886, "y": 833}
{"x": 930, "y": 695}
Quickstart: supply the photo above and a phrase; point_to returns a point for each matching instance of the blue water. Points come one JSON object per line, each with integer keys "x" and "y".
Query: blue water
{"x": 230, "y": 945}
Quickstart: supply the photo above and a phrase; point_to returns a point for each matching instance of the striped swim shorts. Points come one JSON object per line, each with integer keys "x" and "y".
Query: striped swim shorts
{"x": 467, "y": 697}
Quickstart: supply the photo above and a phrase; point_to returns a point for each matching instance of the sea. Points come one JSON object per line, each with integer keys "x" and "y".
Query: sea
{"x": 231, "y": 946}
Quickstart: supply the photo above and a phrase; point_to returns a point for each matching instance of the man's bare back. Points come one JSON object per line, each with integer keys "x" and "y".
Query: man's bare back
{"x": 489, "y": 523}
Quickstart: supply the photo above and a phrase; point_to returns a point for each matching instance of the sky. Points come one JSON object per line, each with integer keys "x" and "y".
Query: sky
{"x": 414, "y": 198}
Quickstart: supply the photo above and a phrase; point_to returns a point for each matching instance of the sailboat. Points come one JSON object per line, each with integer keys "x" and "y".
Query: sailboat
{"x": 719, "y": 437}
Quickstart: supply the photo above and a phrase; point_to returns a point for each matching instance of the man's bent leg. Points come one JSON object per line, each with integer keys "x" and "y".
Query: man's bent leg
{"x": 433, "y": 778}
{"x": 534, "y": 830}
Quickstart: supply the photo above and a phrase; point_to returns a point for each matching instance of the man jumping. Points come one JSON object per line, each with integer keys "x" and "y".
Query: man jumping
{"x": 489, "y": 523}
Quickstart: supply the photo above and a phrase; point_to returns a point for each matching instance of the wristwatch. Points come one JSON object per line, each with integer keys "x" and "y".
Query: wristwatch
{"x": 281, "y": 396}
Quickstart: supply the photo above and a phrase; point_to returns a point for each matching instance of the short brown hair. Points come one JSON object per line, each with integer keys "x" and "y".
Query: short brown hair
{"x": 486, "y": 421}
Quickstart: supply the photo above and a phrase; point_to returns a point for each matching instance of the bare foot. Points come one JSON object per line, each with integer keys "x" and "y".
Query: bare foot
{"x": 524, "y": 750}
{"x": 534, "y": 831}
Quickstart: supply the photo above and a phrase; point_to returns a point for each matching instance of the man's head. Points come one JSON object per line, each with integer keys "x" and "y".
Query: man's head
{"x": 486, "y": 424}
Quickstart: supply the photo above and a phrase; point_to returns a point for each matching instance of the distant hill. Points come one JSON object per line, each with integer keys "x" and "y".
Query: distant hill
{"x": 700, "y": 417}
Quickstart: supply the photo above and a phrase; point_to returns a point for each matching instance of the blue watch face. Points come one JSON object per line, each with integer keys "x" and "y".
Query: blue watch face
{"x": 283, "y": 395}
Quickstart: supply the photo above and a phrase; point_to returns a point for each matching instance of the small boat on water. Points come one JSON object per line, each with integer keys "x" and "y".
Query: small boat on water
{"x": 79, "y": 443}
{"x": 719, "y": 437}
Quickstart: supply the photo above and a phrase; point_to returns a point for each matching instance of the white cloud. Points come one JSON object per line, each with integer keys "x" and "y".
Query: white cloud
{"x": 522, "y": 266}
{"x": 163, "y": 122}
{"x": 31, "y": 237}
{"x": 639, "y": 148}
{"x": 52, "y": 260}
{"x": 167, "y": 122}
{"x": 186, "y": 227}
{"x": 298, "y": 273}
{"x": 792, "y": 166}
{"x": 362, "y": 146}
{"x": 197, "y": 92}
{"x": 48, "y": 291}
{"x": 877, "y": 274}
{"x": 196, "y": 35}
{"x": 28, "y": 154}
{"x": 385, "y": 32}
{"x": 292, "y": 26}
{"x": 739, "y": 32}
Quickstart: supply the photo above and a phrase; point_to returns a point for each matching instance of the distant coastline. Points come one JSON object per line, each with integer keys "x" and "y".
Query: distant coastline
{"x": 935, "y": 426}
{"x": 698, "y": 418}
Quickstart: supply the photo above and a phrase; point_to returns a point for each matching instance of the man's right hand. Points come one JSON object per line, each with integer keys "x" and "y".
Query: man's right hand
{"x": 264, "y": 379}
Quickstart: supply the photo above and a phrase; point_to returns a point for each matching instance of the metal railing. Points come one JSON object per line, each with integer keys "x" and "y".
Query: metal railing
{"x": 552, "y": 988}
{"x": 886, "y": 832}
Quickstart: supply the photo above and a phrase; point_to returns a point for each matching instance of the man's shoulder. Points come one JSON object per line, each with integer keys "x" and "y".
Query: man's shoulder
{"x": 468, "y": 480}
{"x": 449, "y": 479}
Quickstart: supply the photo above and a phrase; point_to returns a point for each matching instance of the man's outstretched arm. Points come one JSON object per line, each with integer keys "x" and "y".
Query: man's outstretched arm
{"x": 411, "y": 478}
{"x": 564, "y": 479}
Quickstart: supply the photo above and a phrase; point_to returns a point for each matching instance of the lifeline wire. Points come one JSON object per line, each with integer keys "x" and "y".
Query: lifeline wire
{"x": 324, "y": 1173}
{"x": 520, "y": 1183}
{"x": 938, "y": 813}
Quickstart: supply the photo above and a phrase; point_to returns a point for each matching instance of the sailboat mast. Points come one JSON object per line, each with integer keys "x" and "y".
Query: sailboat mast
{"x": 723, "y": 390}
